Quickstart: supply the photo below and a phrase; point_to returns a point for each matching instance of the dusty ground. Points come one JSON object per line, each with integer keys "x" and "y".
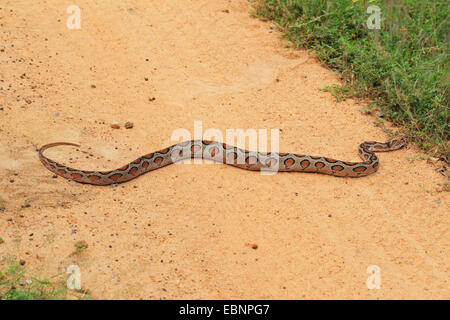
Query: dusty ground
{"x": 187, "y": 231}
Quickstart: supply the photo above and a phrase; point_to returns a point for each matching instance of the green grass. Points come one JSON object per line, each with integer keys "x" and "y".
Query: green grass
{"x": 16, "y": 284}
{"x": 80, "y": 246}
{"x": 403, "y": 67}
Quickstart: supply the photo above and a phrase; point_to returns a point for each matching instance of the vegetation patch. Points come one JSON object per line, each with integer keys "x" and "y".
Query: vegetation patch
{"x": 403, "y": 66}
{"x": 17, "y": 284}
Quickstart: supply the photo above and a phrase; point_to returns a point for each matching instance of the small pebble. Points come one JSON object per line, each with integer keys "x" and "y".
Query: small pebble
{"x": 22, "y": 262}
{"x": 254, "y": 246}
{"x": 93, "y": 86}
{"x": 115, "y": 125}
{"x": 129, "y": 125}
{"x": 380, "y": 114}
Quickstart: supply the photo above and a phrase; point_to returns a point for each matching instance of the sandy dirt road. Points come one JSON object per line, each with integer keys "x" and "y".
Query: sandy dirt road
{"x": 187, "y": 231}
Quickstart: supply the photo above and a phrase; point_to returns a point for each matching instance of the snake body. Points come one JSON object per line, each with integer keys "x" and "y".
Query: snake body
{"x": 231, "y": 155}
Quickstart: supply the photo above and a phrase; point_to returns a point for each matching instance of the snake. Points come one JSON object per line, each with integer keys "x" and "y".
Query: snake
{"x": 230, "y": 155}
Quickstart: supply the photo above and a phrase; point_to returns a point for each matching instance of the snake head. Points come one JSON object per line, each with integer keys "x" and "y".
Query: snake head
{"x": 399, "y": 142}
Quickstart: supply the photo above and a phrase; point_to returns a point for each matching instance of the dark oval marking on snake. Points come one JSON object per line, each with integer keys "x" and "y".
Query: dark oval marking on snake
{"x": 93, "y": 178}
{"x": 305, "y": 164}
{"x": 289, "y": 162}
{"x": 233, "y": 155}
{"x": 114, "y": 177}
{"x": 359, "y": 169}
{"x": 271, "y": 162}
{"x": 213, "y": 151}
{"x": 251, "y": 160}
{"x": 148, "y": 156}
{"x": 319, "y": 165}
{"x": 176, "y": 154}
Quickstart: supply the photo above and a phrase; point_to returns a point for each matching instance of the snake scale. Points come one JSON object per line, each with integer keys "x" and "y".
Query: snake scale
{"x": 228, "y": 154}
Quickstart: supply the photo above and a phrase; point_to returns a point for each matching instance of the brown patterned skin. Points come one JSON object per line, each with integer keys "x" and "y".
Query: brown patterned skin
{"x": 220, "y": 152}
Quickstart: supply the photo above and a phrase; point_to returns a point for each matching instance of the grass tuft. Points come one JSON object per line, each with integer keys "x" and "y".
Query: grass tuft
{"x": 15, "y": 285}
{"x": 403, "y": 66}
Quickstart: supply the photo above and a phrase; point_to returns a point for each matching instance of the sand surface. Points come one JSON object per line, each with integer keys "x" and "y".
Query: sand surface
{"x": 189, "y": 231}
